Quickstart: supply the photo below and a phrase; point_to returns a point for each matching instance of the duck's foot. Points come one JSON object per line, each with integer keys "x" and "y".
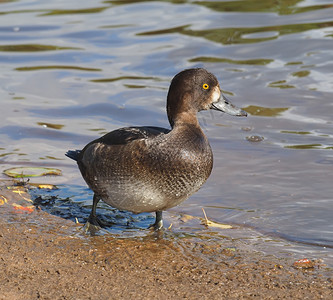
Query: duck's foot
{"x": 91, "y": 228}
{"x": 158, "y": 225}
{"x": 94, "y": 224}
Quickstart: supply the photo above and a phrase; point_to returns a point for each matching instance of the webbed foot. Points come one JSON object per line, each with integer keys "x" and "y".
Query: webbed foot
{"x": 93, "y": 224}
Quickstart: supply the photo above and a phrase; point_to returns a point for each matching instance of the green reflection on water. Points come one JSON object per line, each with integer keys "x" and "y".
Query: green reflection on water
{"x": 134, "y": 86}
{"x": 236, "y": 35}
{"x": 301, "y": 73}
{"x": 19, "y": 11}
{"x": 308, "y": 146}
{"x": 179, "y": 29}
{"x": 280, "y": 84}
{"x": 97, "y": 129}
{"x": 294, "y": 63}
{"x": 258, "y": 61}
{"x": 75, "y": 11}
{"x": 35, "y": 68}
{"x": 123, "y": 2}
{"x": 50, "y": 157}
{"x": 47, "y": 12}
{"x": 123, "y": 78}
{"x": 281, "y": 7}
{"x": 50, "y": 125}
{"x": 11, "y": 153}
{"x": 265, "y": 111}
{"x": 33, "y": 48}
{"x": 6, "y": 1}
{"x": 115, "y": 26}
{"x": 295, "y": 132}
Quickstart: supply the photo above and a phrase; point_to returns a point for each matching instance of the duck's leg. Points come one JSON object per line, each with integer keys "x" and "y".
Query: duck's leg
{"x": 93, "y": 222}
{"x": 158, "y": 221}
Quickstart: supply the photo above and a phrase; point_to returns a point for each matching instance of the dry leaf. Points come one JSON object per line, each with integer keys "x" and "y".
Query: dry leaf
{"x": 44, "y": 186}
{"x": 214, "y": 224}
{"x": 28, "y": 209}
{"x": 3, "y": 200}
{"x": 22, "y": 193}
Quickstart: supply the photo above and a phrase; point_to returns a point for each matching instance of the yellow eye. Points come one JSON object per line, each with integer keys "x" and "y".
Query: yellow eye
{"x": 205, "y": 86}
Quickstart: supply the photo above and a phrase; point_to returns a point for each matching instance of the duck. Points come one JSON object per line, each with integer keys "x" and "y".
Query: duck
{"x": 152, "y": 169}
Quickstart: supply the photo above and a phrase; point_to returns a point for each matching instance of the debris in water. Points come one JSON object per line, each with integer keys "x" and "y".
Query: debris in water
{"x": 214, "y": 224}
{"x": 185, "y": 218}
{"x": 255, "y": 138}
{"x": 44, "y": 186}
{"x": 21, "y": 172}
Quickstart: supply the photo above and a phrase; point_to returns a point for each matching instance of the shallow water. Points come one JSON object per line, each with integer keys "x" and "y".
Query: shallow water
{"x": 71, "y": 74}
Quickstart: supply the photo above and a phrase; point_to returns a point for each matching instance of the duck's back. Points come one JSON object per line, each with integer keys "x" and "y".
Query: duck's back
{"x": 146, "y": 169}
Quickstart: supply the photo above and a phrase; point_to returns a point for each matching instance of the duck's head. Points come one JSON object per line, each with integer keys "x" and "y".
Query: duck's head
{"x": 194, "y": 90}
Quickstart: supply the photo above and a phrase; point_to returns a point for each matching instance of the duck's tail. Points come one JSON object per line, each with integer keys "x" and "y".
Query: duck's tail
{"x": 73, "y": 154}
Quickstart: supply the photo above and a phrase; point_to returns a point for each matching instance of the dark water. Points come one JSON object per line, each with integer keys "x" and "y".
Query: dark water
{"x": 71, "y": 71}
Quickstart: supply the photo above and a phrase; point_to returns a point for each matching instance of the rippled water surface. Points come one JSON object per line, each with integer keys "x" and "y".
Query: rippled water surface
{"x": 72, "y": 71}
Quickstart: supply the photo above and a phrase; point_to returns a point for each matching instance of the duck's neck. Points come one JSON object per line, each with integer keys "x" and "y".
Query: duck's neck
{"x": 185, "y": 118}
{"x": 180, "y": 111}
{"x": 187, "y": 132}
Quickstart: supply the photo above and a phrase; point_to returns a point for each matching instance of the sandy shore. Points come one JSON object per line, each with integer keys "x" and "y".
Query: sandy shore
{"x": 46, "y": 257}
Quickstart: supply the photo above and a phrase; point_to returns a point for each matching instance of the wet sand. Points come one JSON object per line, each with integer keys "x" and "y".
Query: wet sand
{"x": 46, "y": 257}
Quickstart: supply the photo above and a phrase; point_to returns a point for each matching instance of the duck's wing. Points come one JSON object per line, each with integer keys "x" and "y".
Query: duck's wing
{"x": 125, "y": 135}
{"x": 121, "y": 136}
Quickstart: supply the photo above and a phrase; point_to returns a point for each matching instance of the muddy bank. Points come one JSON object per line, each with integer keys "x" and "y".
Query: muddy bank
{"x": 46, "y": 257}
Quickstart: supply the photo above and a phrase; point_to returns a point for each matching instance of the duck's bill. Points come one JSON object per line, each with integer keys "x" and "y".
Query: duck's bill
{"x": 224, "y": 105}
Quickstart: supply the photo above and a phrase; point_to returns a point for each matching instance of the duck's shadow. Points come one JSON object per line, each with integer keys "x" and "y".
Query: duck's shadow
{"x": 74, "y": 203}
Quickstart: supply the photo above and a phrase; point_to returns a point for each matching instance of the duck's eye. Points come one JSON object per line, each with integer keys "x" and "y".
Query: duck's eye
{"x": 205, "y": 86}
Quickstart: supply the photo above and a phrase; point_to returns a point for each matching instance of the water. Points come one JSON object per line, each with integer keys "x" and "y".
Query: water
{"x": 70, "y": 74}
